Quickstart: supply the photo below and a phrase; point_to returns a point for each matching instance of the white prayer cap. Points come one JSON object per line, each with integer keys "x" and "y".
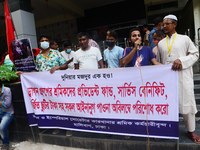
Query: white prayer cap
{"x": 171, "y": 17}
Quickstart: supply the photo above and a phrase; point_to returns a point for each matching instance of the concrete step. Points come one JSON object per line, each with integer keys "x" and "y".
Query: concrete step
{"x": 198, "y": 109}
{"x": 197, "y": 98}
{"x": 196, "y": 77}
{"x": 196, "y": 81}
{"x": 197, "y": 89}
{"x": 97, "y": 141}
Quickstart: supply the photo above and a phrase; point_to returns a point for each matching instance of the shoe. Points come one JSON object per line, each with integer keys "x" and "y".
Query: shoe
{"x": 68, "y": 133}
{"x": 194, "y": 137}
{"x": 56, "y": 131}
{"x": 5, "y": 147}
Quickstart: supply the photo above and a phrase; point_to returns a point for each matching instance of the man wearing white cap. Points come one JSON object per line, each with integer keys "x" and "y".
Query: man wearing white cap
{"x": 181, "y": 52}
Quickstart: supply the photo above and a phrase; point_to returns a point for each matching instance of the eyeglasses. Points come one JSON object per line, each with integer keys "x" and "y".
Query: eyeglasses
{"x": 167, "y": 24}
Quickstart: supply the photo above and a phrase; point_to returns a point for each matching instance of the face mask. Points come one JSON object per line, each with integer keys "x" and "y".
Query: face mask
{"x": 68, "y": 51}
{"x": 44, "y": 45}
{"x": 110, "y": 44}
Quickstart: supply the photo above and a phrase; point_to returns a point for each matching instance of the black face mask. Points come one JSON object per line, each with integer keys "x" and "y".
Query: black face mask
{"x": 110, "y": 44}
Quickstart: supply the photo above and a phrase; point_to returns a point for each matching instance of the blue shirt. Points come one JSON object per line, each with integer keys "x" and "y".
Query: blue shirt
{"x": 151, "y": 43}
{"x": 113, "y": 56}
{"x": 145, "y": 55}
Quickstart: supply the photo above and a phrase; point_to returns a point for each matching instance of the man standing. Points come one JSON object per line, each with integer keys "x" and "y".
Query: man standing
{"x": 93, "y": 43}
{"x": 137, "y": 55}
{"x": 179, "y": 50}
{"x": 87, "y": 57}
{"x": 146, "y": 35}
{"x": 157, "y": 36}
{"x": 113, "y": 54}
{"x": 158, "y": 24}
{"x": 93, "y": 35}
{"x": 53, "y": 45}
{"x": 68, "y": 54}
{"x": 6, "y": 114}
{"x": 49, "y": 59}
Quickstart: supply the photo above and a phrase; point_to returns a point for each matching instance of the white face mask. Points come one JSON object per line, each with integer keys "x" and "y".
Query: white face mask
{"x": 44, "y": 45}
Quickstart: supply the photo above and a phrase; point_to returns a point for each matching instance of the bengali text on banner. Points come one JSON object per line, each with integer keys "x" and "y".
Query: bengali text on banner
{"x": 112, "y": 101}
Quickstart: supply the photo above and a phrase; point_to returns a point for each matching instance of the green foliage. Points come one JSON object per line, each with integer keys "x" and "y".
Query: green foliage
{"x": 6, "y": 73}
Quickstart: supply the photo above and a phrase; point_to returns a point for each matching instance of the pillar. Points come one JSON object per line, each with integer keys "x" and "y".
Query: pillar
{"x": 23, "y": 20}
{"x": 196, "y": 8}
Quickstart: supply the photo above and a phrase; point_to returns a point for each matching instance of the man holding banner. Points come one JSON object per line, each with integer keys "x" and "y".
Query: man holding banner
{"x": 48, "y": 58}
{"x": 179, "y": 50}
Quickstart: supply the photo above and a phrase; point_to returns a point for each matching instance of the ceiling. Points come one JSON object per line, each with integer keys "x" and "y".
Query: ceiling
{"x": 51, "y": 11}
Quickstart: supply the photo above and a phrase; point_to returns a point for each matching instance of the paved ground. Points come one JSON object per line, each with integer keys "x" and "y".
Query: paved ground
{"x": 26, "y": 145}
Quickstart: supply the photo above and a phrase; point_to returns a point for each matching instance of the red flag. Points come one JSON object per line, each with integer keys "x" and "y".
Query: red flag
{"x": 9, "y": 29}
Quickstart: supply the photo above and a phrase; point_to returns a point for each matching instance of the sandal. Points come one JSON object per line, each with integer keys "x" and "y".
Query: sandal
{"x": 194, "y": 137}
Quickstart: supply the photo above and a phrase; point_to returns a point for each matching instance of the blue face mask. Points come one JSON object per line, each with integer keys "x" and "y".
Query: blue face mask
{"x": 68, "y": 51}
{"x": 44, "y": 45}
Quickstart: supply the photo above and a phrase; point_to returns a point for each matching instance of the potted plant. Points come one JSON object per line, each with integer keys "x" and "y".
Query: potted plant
{"x": 7, "y": 74}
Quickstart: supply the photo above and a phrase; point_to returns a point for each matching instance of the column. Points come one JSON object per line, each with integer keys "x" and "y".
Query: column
{"x": 196, "y": 8}
{"x": 23, "y": 20}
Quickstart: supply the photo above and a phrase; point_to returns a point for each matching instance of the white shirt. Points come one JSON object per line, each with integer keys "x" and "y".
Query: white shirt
{"x": 67, "y": 57}
{"x": 184, "y": 50}
{"x": 88, "y": 59}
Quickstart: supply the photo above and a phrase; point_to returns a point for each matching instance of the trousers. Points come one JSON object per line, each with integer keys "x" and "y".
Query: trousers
{"x": 189, "y": 120}
{"x": 5, "y": 120}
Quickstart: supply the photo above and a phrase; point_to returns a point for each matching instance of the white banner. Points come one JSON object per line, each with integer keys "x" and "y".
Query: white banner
{"x": 114, "y": 101}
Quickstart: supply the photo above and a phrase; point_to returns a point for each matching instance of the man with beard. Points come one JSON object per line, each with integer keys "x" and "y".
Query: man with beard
{"x": 137, "y": 55}
{"x": 181, "y": 52}
{"x": 87, "y": 57}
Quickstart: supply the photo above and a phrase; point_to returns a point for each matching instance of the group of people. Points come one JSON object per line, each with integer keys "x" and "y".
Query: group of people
{"x": 174, "y": 48}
